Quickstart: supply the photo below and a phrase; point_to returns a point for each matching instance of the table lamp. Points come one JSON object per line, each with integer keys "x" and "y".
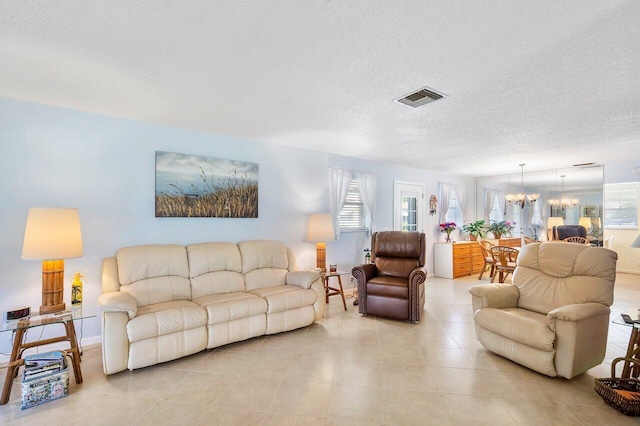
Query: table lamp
{"x": 321, "y": 233}
{"x": 636, "y": 242}
{"x": 586, "y": 222}
{"x": 52, "y": 235}
{"x": 551, "y": 222}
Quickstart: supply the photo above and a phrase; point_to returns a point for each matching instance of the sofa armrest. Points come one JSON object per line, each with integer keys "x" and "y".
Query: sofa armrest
{"x": 494, "y": 296}
{"x": 576, "y": 312}
{"x": 118, "y": 301}
{"x": 302, "y": 279}
{"x": 581, "y": 337}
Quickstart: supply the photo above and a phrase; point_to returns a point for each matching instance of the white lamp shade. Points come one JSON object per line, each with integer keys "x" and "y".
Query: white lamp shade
{"x": 554, "y": 221}
{"x": 52, "y": 234}
{"x": 585, "y": 221}
{"x": 320, "y": 228}
{"x": 636, "y": 242}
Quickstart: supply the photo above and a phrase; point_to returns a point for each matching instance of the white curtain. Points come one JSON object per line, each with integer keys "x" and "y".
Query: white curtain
{"x": 489, "y": 198}
{"x": 444, "y": 198}
{"x": 340, "y": 179}
{"x": 462, "y": 199}
{"x": 368, "y": 183}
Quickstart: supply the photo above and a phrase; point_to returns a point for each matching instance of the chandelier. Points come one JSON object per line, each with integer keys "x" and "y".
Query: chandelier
{"x": 522, "y": 199}
{"x": 564, "y": 203}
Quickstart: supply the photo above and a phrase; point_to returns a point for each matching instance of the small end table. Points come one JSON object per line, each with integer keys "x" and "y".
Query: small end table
{"x": 19, "y": 346}
{"x": 633, "y": 349}
{"x": 332, "y": 291}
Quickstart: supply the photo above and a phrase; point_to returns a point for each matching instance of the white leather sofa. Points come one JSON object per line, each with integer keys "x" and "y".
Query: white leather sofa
{"x": 554, "y": 319}
{"x": 163, "y": 302}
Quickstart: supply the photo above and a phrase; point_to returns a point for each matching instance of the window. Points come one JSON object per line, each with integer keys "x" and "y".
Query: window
{"x": 621, "y": 209}
{"x": 495, "y": 214}
{"x": 454, "y": 213}
{"x": 517, "y": 215}
{"x": 354, "y": 216}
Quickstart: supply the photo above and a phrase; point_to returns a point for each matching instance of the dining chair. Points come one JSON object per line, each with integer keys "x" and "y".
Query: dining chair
{"x": 485, "y": 247}
{"x": 528, "y": 240}
{"x": 505, "y": 261}
{"x": 577, "y": 240}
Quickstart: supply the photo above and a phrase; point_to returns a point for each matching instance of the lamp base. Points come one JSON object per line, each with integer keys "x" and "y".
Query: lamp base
{"x": 52, "y": 286}
{"x": 321, "y": 257}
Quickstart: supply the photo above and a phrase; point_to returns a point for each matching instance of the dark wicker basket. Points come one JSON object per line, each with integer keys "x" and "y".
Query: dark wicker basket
{"x": 621, "y": 394}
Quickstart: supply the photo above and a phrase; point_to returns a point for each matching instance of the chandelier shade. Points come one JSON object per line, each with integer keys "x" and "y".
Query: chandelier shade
{"x": 521, "y": 199}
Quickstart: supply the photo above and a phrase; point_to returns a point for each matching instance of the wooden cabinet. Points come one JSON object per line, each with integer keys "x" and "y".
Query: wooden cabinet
{"x": 454, "y": 260}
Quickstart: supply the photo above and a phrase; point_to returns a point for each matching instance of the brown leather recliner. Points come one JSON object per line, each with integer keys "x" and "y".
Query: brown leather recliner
{"x": 393, "y": 284}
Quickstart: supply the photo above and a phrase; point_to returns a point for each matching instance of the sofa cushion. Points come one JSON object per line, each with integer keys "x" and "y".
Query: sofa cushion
{"x": 154, "y": 273}
{"x": 265, "y": 263}
{"x": 526, "y": 327}
{"x": 165, "y": 318}
{"x": 214, "y": 268}
{"x": 285, "y": 297}
{"x": 556, "y": 274}
{"x": 231, "y": 306}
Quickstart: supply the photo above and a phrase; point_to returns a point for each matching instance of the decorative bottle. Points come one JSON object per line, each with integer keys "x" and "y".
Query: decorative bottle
{"x": 76, "y": 290}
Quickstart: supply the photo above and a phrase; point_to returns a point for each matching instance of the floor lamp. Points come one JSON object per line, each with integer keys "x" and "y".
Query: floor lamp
{"x": 321, "y": 232}
{"x": 52, "y": 235}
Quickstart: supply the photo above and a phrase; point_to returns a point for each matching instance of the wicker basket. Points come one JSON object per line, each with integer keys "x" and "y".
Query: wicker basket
{"x": 621, "y": 394}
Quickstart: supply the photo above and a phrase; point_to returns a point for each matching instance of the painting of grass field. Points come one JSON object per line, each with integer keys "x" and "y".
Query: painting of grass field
{"x": 196, "y": 186}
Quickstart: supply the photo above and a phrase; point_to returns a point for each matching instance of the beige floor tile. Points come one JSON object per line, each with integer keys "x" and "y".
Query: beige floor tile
{"x": 407, "y": 378}
{"x": 355, "y": 403}
{"x": 446, "y": 357}
{"x": 229, "y": 416}
{"x": 301, "y": 399}
{"x": 170, "y": 413}
{"x": 538, "y": 413}
{"x": 363, "y": 372}
{"x": 602, "y": 415}
{"x": 461, "y": 381}
{"x": 292, "y": 420}
{"x": 417, "y": 408}
{"x": 250, "y": 393}
{"x": 477, "y": 410}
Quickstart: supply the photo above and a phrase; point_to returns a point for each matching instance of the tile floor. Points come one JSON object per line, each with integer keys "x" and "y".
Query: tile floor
{"x": 345, "y": 369}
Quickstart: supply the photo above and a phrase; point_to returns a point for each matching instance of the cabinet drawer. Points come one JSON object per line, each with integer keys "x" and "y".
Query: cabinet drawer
{"x": 461, "y": 270}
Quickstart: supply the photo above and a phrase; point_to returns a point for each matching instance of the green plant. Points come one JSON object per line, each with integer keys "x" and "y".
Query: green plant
{"x": 476, "y": 228}
{"x": 502, "y": 227}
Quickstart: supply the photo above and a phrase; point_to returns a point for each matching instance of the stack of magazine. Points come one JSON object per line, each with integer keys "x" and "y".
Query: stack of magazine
{"x": 45, "y": 378}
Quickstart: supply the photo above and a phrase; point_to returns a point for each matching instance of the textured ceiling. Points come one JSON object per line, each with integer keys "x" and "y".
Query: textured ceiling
{"x": 547, "y": 83}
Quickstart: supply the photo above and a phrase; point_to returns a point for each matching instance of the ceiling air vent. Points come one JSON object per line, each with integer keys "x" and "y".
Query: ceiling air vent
{"x": 421, "y": 97}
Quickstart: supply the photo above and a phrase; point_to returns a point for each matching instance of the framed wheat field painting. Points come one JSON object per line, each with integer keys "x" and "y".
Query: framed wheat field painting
{"x": 196, "y": 186}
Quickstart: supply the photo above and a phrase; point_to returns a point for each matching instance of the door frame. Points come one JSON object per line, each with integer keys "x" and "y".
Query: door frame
{"x": 398, "y": 187}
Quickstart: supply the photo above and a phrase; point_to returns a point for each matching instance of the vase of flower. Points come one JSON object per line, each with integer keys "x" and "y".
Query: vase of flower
{"x": 448, "y": 228}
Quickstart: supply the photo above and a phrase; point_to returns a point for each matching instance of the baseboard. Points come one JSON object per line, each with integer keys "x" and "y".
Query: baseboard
{"x": 85, "y": 343}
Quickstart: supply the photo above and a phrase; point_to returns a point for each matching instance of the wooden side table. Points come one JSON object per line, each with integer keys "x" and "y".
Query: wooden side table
{"x": 19, "y": 346}
{"x": 633, "y": 349}
{"x": 332, "y": 291}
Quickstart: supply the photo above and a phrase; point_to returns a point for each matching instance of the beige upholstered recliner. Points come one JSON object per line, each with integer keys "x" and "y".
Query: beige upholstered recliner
{"x": 554, "y": 318}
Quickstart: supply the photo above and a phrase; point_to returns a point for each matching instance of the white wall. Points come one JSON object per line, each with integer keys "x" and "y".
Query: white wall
{"x": 105, "y": 166}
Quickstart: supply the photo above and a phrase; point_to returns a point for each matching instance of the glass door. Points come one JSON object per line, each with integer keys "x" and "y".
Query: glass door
{"x": 408, "y": 206}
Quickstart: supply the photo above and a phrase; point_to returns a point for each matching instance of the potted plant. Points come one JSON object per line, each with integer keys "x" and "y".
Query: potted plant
{"x": 475, "y": 229}
{"x": 501, "y": 227}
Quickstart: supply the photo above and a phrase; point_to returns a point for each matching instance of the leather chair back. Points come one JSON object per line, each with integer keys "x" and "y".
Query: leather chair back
{"x": 397, "y": 253}
{"x": 565, "y": 231}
